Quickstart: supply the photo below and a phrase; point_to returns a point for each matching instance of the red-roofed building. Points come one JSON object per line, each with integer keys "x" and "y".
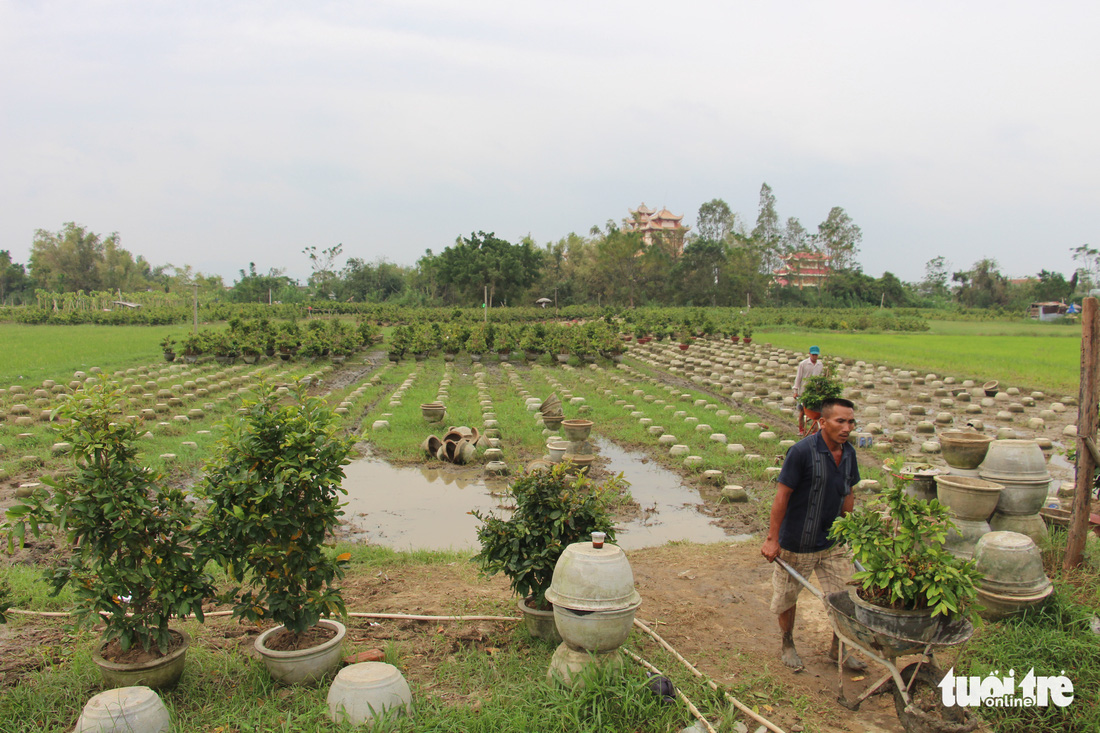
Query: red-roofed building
{"x": 658, "y": 227}
{"x": 803, "y": 269}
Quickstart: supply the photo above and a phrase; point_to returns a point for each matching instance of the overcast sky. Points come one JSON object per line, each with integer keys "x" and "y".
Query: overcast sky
{"x": 221, "y": 133}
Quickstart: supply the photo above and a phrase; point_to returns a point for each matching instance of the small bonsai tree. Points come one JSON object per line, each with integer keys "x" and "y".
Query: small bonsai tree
{"x": 131, "y": 535}
{"x": 901, "y": 549}
{"x": 552, "y": 511}
{"x": 273, "y": 488}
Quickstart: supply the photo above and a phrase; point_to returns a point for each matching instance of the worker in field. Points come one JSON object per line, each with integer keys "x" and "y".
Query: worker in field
{"x": 811, "y": 366}
{"x": 815, "y": 487}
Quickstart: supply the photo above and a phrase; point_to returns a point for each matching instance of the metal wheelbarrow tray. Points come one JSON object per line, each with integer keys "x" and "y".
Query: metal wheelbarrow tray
{"x": 884, "y": 648}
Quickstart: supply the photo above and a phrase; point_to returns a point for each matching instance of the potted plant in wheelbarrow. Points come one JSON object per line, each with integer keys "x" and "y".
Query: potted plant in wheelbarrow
{"x": 273, "y": 487}
{"x": 131, "y": 564}
{"x": 553, "y": 510}
{"x": 908, "y": 578}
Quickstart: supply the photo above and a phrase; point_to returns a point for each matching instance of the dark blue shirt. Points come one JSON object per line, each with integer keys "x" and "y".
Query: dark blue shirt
{"x": 818, "y": 487}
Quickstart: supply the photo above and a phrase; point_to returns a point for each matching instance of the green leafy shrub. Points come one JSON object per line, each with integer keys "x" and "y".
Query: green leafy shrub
{"x": 131, "y": 536}
{"x": 552, "y": 511}
{"x": 816, "y": 390}
{"x": 273, "y": 488}
{"x": 902, "y": 552}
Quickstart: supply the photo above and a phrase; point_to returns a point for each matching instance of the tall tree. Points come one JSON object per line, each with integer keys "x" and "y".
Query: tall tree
{"x": 255, "y": 287}
{"x": 68, "y": 260}
{"x": 323, "y": 263}
{"x": 698, "y": 273}
{"x": 1051, "y": 286}
{"x": 13, "y": 276}
{"x": 716, "y": 221}
{"x": 935, "y": 279}
{"x": 484, "y": 260}
{"x": 1089, "y": 271}
{"x": 839, "y": 238}
{"x": 982, "y": 286}
{"x": 767, "y": 233}
{"x": 795, "y": 237}
{"x": 623, "y": 268}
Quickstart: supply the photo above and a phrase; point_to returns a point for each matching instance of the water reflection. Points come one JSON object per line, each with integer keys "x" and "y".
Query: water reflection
{"x": 427, "y": 507}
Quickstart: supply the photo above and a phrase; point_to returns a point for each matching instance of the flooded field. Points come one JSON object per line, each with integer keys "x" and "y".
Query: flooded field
{"x": 427, "y": 507}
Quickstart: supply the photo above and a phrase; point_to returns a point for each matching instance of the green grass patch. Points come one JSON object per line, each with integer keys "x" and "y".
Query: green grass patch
{"x": 34, "y": 353}
{"x": 1030, "y": 355}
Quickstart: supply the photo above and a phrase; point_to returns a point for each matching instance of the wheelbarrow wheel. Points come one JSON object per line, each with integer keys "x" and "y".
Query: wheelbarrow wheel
{"x": 927, "y": 713}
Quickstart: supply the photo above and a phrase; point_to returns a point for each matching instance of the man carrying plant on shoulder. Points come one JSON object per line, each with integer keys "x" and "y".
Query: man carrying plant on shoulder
{"x": 808, "y": 367}
{"x": 815, "y": 487}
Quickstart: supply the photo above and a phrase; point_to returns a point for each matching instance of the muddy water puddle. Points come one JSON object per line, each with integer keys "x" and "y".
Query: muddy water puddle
{"x": 428, "y": 508}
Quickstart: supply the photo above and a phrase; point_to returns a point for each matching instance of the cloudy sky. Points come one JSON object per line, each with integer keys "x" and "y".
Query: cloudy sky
{"x": 221, "y": 133}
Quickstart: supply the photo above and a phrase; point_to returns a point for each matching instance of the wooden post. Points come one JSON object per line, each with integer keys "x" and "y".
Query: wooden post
{"x": 195, "y": 307}
{"x": 1086, "y": 430}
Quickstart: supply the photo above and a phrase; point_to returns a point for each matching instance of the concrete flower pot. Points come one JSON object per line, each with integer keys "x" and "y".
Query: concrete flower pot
{"x": 159, "y": 674}
{"x": 968, "y": 498}
{"x": 303, "y": 666}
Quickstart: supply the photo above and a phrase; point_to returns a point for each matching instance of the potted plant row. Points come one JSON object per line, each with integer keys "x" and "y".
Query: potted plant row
{"x": 131, "y": 561}
{"x": 138, "y": 552}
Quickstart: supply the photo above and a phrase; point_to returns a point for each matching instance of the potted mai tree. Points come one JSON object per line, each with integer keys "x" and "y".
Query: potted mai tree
{"x": 908, "y": 576}
{"x": 553, "y": 510}
{"x": 130, "y": 538}
{"x": 168, "y": 345}
{"x": 273, "y": 487}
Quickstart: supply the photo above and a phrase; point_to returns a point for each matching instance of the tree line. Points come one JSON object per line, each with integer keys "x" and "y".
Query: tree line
{"x": 721, "y": 262}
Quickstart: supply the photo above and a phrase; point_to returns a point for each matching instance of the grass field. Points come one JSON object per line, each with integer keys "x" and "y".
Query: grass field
{"x": 33, "y": 353}
{"x": 1028, "y": 355}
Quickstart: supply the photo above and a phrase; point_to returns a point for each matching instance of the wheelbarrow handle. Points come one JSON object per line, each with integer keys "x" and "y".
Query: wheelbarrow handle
{"x": 798, "y": 576}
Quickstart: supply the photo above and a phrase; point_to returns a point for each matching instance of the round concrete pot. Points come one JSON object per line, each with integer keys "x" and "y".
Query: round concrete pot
{"x": 1022, "y": 497}
{"x": 576, "y": 430}
{"x": 124, "y": 709}
{"x": 539, "y": 624}
{"x": 159, "y": 674}
{"x": 303, "y": 666}
{"x": 363, "y": 691}
{"x": 1011, "y": 563}
{"x": 1030, "y": 524}
{"x": 907, "y": 625}
{"x": 595, "y": 631}
{"x": 968, "y": 498}
{"x": 963, "y": 449}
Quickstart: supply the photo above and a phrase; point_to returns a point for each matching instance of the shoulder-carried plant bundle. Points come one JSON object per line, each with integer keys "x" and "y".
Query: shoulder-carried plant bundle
{"x": 273, "y": 487}
{"x": 817, "y": 389}
{"x": 899, "y": 541}
{"x": 131, "y": 535}
{"x": 553, "y": 510}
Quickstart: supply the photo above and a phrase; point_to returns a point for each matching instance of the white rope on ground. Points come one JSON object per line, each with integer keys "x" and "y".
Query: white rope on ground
{"x": 713, "y": 685}
{"x": 394, "y": 616}
{"x": 694, "y": 710}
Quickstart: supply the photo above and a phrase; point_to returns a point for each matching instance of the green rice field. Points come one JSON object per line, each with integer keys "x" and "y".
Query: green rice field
{"x": 30, "y": 354}
{"x": 1029, "y": 355}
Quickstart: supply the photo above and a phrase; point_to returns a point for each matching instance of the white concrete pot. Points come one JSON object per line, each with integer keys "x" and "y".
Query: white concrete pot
{"x": 363, "y": 691}
{"x": 124, "y": 710}
{"x": 303, "y": 666}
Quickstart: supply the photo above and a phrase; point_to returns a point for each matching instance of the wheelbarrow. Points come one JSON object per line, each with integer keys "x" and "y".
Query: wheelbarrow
{"x": 917, "y": 698}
